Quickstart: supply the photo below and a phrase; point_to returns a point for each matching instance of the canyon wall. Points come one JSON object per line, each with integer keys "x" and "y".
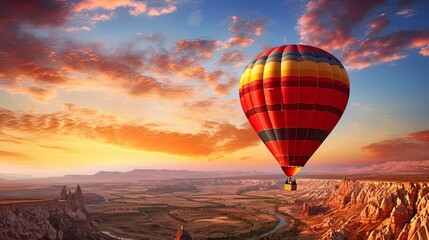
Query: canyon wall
{"x": 381, "y": 210}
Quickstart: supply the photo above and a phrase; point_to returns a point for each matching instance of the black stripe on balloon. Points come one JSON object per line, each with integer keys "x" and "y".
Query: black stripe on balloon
{"x": 294, "y": 83}
{"x": 294, "y": 106}
{"x": 276, "y": 134}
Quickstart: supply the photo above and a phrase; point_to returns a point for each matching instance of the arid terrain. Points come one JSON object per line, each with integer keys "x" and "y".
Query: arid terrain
{"x": 242, "y": 207}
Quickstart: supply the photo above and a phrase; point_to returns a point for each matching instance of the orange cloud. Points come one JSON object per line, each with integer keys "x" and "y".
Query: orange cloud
{"x": 231, "y": 58}
{"x": 214, "y": 138}
{"x": 39, "y": 94}
{"x": 197, "y": 47}
{"x": 411, "y": 147}
{"x": 14, "y": 157}
{"x": 136, "y": 8}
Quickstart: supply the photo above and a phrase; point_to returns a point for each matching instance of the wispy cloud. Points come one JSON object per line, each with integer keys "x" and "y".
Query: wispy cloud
{"x": 378, "y": 24}
{"x": 231, "y": 58}
{"x": 406, "y": 12}
{"x": 195, "y": 18}
{"x": 362, "y": 106}
{"x": 244, "y": 31}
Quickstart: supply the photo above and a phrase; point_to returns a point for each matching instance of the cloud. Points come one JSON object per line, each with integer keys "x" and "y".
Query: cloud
{"x": 231, "y": 58}
{"x": 38, "y": 66}
{"x": 328, "y": 24}
{"x": 38, "y": 94}
{"x": 147, "y": 86}
{"x": 331, "y": 25}
{"x": 378, "y": 24}
{"x": 197, "y": 47}
{"x": 424, "y": 51}
{"x": 39, "y": 13}
{"x": 243, "y": 31}
{"x": 195, "y": 18}
{"x": 383, "y": 49}
{"x": 214, "y": 138}
{"x": 13, "y": 157}
{"x": 243, "y": 26}
{"x": 406, "y": 12}
{"x": 411, "y": 147}
{"x": 135, "y": 8}
{"x": 158, "y": 11}
{"x": 221, "y": 81}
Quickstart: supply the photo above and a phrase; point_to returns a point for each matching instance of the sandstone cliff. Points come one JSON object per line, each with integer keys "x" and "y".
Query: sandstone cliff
{"x": 383, "y": 210}
{"x": 65, "y": 218}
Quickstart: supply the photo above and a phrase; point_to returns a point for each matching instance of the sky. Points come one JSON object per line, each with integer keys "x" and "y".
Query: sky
{"x": 122, "y": 84}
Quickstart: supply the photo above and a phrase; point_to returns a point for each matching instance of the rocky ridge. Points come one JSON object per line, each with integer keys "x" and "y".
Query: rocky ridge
{"x": 62, "y": 218}
{"x": 392, "y": 210}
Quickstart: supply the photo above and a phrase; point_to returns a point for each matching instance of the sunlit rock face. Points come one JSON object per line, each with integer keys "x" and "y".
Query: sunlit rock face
{"x": 396, "y": 210}
{"x": 61, "y": 218}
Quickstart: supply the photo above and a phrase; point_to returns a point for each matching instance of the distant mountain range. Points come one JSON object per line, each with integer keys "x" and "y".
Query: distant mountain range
{"x": 160, "y": 174}
{"x": 14, "y": 176}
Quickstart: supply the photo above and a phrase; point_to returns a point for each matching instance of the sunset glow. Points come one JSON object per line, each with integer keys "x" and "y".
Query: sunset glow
{"x": 117, "y": 85}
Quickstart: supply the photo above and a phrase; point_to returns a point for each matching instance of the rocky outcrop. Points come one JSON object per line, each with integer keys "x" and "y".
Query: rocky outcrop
{"x": 49, "y": 219}
{"x": 395, "y": 210}
{"x": 332, "y": 234}
{"x": 183, "y": 234}
{"x": 309, "y": 209}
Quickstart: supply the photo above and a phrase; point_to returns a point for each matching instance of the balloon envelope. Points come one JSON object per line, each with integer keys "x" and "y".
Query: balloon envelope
{"x": 293, "y": 96}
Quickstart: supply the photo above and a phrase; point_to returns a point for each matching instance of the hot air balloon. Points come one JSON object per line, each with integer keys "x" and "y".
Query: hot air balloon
{"x": 293, "y": 96}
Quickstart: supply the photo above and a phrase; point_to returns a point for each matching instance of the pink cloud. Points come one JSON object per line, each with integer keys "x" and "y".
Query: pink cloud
{"x": 158, "y": 11}
{"x": 328, "y": 24}
{"x": 331, "y": 25}
{"x": 240, "y": 41}
{"x": 412, "y": 147}
{"x": 378, "y": 24}
{"x": 383, "y": 49}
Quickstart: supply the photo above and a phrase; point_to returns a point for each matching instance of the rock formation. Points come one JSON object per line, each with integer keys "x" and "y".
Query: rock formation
{"x": 309, "y": 209}
{"x": 182, "y": 234}
{"x": 393, "y": 210}
{"x": 62, "y": 218}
